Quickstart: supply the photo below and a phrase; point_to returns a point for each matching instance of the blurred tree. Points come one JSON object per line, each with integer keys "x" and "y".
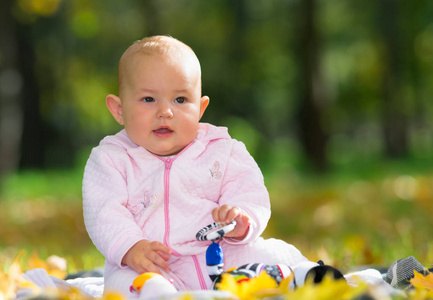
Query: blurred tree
{"x": 394, "y": 108}
{"x": 226, "y": 72}
{"x": 273, "y": 69}
{"x": 417, "y": 25}
{"x": 311, "y": 88}
{"x": 11, "y": 90}
{"x": 149, "y": 8}
{"x": 237, "y": 51}
{"x": 23, "y": 124}
{"x": 36, "y": 22}
{"x": 34, "y": 139}
{"x": 26, "y": 55}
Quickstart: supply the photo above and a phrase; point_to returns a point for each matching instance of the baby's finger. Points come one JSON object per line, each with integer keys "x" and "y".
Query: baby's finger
{"x": 160, "y": 247}
{"x": 163, "y": 255}
{"x": 149, "y": 266}
{"x": 159, "y": 261}
{"x": 222, "y": 213}
{"x": 232, "y": 214}
{"x": 215, "y": 214}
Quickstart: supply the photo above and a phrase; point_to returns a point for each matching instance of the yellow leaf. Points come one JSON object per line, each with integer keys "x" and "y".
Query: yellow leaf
{"x": 187, "y": 297}
{"x": 421, "y": 281}
{"x": 34, "y": 262}
{"x": 285, "y": 284}
{"x": 10, "y": 280}
{"x": 261, "y": 286}
{"x": 254, "y": 288}
{"x": 329, "y": 288}
{"x": 228, "y": 283}
{"x": 55, "y": 266}
{"x": 112, "y": 296}
{"x": 420, "y": 294}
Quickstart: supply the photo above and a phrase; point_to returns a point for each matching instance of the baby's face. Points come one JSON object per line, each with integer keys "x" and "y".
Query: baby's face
{"x": 162, "y": 103}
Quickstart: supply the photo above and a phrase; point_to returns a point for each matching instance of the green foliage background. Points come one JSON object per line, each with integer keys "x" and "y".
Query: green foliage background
{"x": 368, "y": 208}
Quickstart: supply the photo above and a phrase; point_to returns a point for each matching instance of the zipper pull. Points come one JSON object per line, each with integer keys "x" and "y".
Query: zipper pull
{"x": 168, "y": 162}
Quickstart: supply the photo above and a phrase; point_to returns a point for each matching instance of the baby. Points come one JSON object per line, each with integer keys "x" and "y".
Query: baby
{"x": 148, "y": 189}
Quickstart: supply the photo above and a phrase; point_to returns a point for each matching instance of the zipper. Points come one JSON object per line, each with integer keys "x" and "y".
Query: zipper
{"x": 168, "y": 163}
{"x": 199, "y": 273}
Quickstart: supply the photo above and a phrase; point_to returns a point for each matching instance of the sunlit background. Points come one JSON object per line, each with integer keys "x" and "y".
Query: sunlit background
{"x": 332, "y": 98}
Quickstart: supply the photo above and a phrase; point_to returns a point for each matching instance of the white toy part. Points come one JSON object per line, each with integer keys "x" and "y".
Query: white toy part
{"x": 215, "y": 231}
{"x": 151, "y": 286}
{"x": 286, "y": 271}
{"x": 309, "y": 270}
{"x": 300, "y": 272}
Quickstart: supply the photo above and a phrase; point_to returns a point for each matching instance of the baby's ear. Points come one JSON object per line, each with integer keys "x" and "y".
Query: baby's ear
{"x": 204, "y": 102}
{"x": 115, "y": 107}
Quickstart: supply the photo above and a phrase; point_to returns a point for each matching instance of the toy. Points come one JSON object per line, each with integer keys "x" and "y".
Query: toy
{"x": 300, "y": 273}
{"x": 154, "y": 285}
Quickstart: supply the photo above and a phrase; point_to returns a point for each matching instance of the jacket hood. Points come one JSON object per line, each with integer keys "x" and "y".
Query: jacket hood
{"x": 207, "y": 132}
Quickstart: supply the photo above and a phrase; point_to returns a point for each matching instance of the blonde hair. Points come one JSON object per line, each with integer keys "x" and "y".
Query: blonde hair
{"x": 161, "y": 45}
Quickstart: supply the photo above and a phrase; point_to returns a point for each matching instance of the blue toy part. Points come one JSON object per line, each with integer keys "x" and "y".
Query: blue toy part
{"x": 214, "y": 255}
{"x": 214, "y": 261}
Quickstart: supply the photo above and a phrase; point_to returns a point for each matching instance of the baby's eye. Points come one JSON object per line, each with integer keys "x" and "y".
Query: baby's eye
{"x": 180, "y": 100}
{"x": 148, "y": 99}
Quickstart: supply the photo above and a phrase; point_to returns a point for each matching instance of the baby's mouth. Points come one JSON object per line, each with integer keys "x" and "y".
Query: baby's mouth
{"x": 163, "y": 130}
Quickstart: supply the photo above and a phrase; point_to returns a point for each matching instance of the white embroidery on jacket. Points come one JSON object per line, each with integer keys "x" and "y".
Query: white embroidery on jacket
{"x": 215, "y": 172}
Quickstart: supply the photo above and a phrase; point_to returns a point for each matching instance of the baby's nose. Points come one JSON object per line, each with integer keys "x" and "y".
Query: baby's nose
{"x": 165, "y": 111}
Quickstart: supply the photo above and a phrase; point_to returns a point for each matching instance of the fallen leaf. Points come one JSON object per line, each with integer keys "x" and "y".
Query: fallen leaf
{"x": 421, "y": 281}
{"x": 11, "y": 280}
{"x": 54, "y": 265}
{"x": 329, "y": 288}
{"x": 254, "y": 288}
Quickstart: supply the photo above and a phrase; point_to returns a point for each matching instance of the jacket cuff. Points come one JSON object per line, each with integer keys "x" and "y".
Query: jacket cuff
{"x": 121, "y": 247}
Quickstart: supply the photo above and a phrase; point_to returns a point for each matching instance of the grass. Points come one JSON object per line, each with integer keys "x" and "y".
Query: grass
{"x": 42, "y": 212}
{"x": 360, "y": 213}
{"x": 365, "y": 213}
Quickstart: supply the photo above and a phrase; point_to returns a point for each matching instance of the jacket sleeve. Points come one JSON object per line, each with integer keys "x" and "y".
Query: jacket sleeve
{"x": 243, "y": 186}
{"x": 109, "y": 223}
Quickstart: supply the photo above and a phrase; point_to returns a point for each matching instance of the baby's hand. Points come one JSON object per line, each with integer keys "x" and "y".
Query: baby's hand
{"x": 226, "y": 213}
{"x": 147, "y": 256}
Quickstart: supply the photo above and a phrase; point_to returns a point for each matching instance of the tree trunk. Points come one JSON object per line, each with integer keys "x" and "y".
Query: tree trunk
{"x": 394, "y": 118}
{"x": 236, "y": 44}
{"x": 34, "y": 135}
{"x": 151, "y": 13}
{"x": 311, "y": 88}
{"x": 11, "y": 88}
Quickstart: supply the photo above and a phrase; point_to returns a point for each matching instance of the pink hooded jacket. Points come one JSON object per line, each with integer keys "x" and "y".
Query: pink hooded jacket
{"x": 130, "y": 194}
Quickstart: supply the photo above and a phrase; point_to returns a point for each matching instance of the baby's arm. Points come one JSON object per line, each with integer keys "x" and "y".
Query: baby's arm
{"x": 244, "y": 194}
{"x": 146, "y": 256}
{"x": 226, "y": 213}
{"x": 109, "y": 223}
